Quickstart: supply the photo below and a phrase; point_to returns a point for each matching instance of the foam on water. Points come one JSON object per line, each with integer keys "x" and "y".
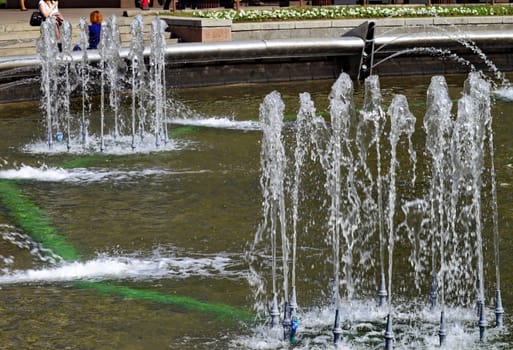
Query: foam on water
{"x": 81, "y": 175}
{"x": 504, "y": 93}
{"x": 219, "y": 122}
{"x": 120, "y": 145}
{"x": 362, "y": 328}
{"x": 23, "y": 241}
{"x": 163, "y": 262}
{"x": 105, "y": 267}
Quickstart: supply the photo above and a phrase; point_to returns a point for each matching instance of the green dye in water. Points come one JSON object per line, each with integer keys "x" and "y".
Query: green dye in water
{"x": 33, "y": 221}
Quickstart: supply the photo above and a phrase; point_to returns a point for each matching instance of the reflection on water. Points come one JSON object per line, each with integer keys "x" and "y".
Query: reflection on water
{"x": 179, "y": 222}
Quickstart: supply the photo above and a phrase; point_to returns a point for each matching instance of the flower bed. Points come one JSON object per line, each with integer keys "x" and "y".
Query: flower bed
{"x": 339, "y": 12}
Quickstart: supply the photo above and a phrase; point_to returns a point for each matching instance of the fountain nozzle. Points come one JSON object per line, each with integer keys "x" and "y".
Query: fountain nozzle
{"x": 482, "y": 323}
{"x": 382, "y": 293}
{"x": 287, "y": 322}
{"x": 274, "y": 312}
{"x": 499, "y": 310}
{"x": 442, "y": 333}
{"x": 337, "y": 331}
{"x": 290, "y": 324}
{"x": 389, "y": 335}
{"x": 293, "y": 302}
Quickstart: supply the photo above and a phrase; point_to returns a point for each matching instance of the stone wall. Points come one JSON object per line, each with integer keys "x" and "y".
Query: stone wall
{"x": 335, "y": 28}
{"x": 199, "y": 30}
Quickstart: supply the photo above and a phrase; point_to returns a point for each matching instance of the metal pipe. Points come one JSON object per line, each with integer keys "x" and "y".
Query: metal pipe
{"x": 282, "y": 48}
{"x": 443, "y": 39}
{"x": 228, "y": 51}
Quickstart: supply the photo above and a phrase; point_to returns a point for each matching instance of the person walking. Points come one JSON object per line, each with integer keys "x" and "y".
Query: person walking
{"x": 22, "y": 5}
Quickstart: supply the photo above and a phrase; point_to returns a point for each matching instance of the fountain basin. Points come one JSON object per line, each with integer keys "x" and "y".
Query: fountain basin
{"x": 274, "y": 60}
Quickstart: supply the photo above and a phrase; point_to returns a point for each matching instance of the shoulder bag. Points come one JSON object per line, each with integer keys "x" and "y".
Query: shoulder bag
{"x": 36, "y": 19}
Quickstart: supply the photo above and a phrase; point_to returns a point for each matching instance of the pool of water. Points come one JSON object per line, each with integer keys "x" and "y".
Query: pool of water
{"x": 161, "y": 236}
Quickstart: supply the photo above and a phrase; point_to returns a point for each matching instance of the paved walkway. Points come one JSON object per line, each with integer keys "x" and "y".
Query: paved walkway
{"x": 17, "y": 37}
{"x": 12, "y": 16}
{"x": 73, "y": 15}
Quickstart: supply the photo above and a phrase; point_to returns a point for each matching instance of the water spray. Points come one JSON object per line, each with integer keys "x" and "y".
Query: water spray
{"x": 136, "y": 55}
{"x": 433, "y": 295}
{"x": 499, "y": 310}
{"x": 402, "y": 123}
{"x": 158, "y": 79}
{"x": 479, "y": 300}
{"x": 450, "y": 145}
{"x": 84, "y": 78}
{"x": 293, "y": 302}
{"x": 47, "y": 53}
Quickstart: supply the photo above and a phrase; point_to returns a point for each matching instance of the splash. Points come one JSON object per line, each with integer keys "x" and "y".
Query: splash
{"x": 83, "y": 175}
{"x": 105, "y": 267}
{"x": 219, "y": 123}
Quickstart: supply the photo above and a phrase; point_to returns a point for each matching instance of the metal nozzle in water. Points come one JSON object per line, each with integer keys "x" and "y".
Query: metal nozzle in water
{"x": 442, "y": 333}
{"x": 433, "y": 296}
{"x": 382, "y": 293}
{"x": 389, "y": 335}
{"x": 294, "y": 322}
{"x": 499, "y": 311}
{"x": 479, "y": 299}
{"x": 287, "y": 322}
{"x": 274, "y": 312}
{"x": 482, "y": 323}
{"x": 337, "y": 331}
{"x": 293, "y": 302}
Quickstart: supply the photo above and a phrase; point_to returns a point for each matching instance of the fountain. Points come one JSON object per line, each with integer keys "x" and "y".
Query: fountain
{"x": 443, "y": 222}
{"x": 372, "y": 233}
{"x": 108, "y": 76}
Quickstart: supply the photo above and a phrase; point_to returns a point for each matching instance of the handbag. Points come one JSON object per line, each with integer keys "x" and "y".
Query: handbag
{"x": 36, "y": 19}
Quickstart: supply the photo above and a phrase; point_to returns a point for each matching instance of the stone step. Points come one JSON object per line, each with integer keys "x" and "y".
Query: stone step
{"x": 20, "y": 38}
